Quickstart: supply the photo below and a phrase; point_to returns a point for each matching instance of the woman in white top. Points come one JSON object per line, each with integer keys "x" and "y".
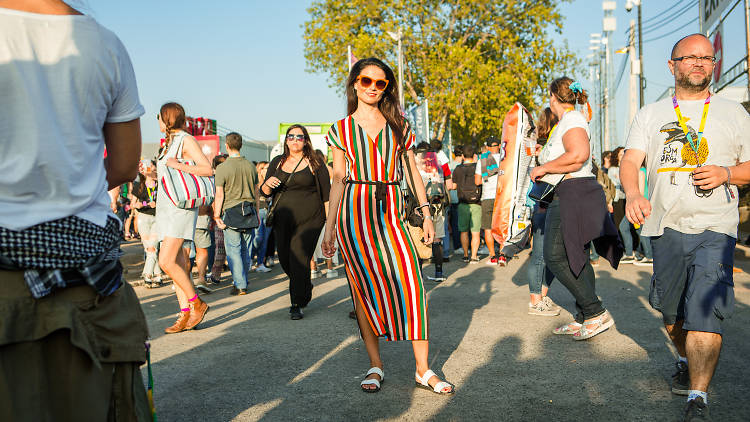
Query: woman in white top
{"x": 578, "y": 213}
{"x": 177, "y": 225}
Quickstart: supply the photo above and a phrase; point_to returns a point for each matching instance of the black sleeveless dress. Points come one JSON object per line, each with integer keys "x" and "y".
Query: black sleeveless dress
{"x": 298, "y": 220}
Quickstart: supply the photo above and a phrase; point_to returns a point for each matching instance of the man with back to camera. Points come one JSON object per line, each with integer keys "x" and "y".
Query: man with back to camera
{"x": 469, "y": 204}
{"x": 696, "y": 153}
{"x": 236, "y": 183}
{"x": 488, "y": 168}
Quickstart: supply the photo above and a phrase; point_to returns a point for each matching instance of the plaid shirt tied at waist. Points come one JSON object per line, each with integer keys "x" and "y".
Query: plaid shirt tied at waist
{"x": 64, "y": 253}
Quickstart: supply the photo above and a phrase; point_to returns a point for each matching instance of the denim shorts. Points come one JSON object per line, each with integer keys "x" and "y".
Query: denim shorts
{"x": 693, "y": 279}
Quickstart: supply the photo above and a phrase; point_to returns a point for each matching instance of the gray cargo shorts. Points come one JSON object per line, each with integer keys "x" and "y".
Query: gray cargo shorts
{"x": 693, "y": 279}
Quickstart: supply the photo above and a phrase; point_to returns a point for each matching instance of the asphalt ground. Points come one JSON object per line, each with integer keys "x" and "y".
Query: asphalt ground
{"x": 248, "y": 361}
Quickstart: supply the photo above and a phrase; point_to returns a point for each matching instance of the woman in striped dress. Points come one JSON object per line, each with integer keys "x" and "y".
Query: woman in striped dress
{"x": 369, "y": 149}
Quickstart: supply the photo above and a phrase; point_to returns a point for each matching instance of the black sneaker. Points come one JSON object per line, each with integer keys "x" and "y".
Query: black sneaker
{"x": 681, "y": 379}
{"x": 237, "y": 292}
{"x": 696, "y": 410}
{"x": 466, "y": 259}
{"x": 296, "y": 312}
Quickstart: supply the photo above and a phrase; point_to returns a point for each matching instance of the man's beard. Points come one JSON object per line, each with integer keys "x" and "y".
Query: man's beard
{"x": 683, "y": 81}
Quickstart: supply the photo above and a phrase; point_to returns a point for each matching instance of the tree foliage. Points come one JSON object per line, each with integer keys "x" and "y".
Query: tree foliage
{"x": 471, "y": 58}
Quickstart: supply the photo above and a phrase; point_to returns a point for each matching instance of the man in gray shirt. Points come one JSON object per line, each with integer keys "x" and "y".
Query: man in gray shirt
{"x": 236, "y": 184}
{"x": 696, "y": 149}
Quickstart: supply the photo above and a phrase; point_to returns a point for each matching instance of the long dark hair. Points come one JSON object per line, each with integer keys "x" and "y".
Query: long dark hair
{"x": 307, "y": 149}
{"x": 547, "y": 120}
{"x": 388, "y": 104}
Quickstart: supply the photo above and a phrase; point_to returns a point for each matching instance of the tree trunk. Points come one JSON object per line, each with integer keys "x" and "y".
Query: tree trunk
{"x": 443, "y": 122}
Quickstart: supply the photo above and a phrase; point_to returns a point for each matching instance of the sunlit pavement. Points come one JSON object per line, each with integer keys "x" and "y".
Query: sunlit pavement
{"x": 248, "y": 361}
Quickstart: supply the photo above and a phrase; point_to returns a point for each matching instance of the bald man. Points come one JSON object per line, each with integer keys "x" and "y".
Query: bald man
{"x": 696, "y": 149}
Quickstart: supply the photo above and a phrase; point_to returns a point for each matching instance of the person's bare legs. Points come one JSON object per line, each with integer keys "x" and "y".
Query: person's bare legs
{"x": 465, "y": 242}
{"x": 128, "y": 222}
{"x": 201, "y": 261}
{"x": 172, "y": 261}
{"x": 703, "y": 350}
{"x": 421, "y": 352}
{"x": 678, "y": 336}
{"x": 372, "y": 343}
{"x": 490, "y": 242}
{"x": 475, "y": 241}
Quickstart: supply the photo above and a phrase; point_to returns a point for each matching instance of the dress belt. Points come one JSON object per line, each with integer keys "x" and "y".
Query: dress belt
{"x": 381, "y": 192}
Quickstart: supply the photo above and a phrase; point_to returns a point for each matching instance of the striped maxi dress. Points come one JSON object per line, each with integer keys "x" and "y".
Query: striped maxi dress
{"x": 381, "y": 263}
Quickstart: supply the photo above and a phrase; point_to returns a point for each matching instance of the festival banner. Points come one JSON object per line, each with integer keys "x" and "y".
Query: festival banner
{"x": 419, "y": 118}
{"x": 512, "y": 214}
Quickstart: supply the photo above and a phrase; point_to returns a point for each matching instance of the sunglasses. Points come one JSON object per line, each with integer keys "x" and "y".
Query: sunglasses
{"x": 293, "y": 137}
{"x": 365, "y": 82}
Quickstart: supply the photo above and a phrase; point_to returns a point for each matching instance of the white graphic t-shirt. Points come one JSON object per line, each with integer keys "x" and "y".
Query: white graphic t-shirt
{"x": 675, "y": 201}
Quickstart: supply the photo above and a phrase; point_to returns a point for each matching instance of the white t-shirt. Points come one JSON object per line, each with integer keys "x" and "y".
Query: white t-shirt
{"x": 725, "y": 142}
{"x": 61, "y": 79}
{"x": 489, "y": 186}
{"x": 555, "y": 148}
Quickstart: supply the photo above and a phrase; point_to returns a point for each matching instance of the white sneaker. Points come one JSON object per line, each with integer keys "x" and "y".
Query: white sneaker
{"x": 262, "y": 269}
{"x": 550, "y": 304}
{"x": 314, "y": 273}
{"x": 332, "y": 274}
{"x": 203, "y": 288}
{"x": 627, "y": 259}
{"x": 542, "y": 309}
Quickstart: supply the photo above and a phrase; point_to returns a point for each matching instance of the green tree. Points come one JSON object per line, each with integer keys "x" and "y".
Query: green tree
{"x": 471, "y": 58}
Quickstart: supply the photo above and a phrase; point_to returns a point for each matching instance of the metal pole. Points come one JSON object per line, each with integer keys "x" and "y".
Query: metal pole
{"x": 641, "y": 79}
{"x": 747, "y": 40}
{"x": 634, "y": 79}
{"x": 400, "y": 72}
{"x": 607, "y": 102}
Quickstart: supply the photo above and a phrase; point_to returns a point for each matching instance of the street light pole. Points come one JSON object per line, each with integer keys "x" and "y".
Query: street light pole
{"x": 397, "y": 36}
{"x": 641, "y": 79}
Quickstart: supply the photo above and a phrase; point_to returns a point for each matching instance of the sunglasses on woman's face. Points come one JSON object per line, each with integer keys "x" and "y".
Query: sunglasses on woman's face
{"x": 293, "y": 137}
{"x": 366, "y": 81}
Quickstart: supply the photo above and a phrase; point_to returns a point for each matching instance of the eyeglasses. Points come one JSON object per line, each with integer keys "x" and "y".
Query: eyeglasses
{"x": 365, "y": 82}
{"x": 692, "y": 60}
{"x": 293, "y": 137}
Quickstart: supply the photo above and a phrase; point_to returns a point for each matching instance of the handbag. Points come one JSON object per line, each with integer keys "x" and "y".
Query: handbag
{"x": 543, "y": 191}
{"x": 414, "y": 218}
{"x": 272, "y": 209}
{"x": 241, "y": 217}
{"x": 185, "y": 189}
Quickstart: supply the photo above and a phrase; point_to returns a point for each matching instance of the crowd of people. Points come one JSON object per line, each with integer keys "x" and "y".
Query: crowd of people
{"x": 387, "y": 210}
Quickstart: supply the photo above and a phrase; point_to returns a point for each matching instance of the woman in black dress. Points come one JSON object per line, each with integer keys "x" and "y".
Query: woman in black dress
{"x": 299, "y": 184}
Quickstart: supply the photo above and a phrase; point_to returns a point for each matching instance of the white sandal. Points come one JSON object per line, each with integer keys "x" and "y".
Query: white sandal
{"x": 371, "y": 381}
{"x": 566, "y": 330}
{"x": 601, "y": 324}
{"x": 422, "y": 382}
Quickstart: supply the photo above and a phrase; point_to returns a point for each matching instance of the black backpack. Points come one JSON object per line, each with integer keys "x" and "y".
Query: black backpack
{"x": 468, "y": 191}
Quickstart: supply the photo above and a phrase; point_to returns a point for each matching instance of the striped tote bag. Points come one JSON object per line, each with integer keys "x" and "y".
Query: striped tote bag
{"x": 184, "y": 189}
{"x": 187, "y": 190}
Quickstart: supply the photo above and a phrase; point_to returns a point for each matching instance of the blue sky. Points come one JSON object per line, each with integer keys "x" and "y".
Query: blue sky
{"x": 242, "y": 61}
